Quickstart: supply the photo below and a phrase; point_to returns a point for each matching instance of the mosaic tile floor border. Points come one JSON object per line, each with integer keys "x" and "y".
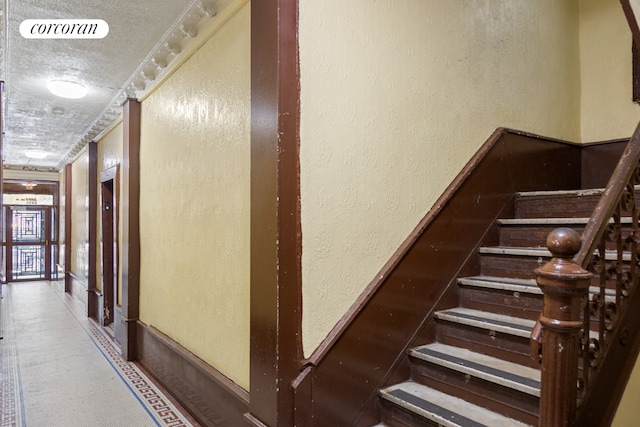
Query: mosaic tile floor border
{"x": 158, "y": 405}
{"x": 10, "y": 391}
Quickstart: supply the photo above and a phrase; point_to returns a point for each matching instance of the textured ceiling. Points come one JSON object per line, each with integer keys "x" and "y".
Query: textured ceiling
{"x": 144, "y": 37}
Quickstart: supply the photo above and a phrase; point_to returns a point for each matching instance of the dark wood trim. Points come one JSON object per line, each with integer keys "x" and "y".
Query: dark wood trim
{"x": 93, "y": 302}
{"x": 68, "y": 247}
{"x": 599, "y": 160}
{"x": 635, "y": 72}
{"x": 210, "y": 397}
{"x": 367, "y": 348}
{"x": 44, "y": 187}
{"x": 3, "y": 236}
{"x": 8, "y": 254}
{"x": 130, "y": 263}
{"x": 276, "y": 348}
{"x": 631, "y": 20}
{"x": 109, "y": 191}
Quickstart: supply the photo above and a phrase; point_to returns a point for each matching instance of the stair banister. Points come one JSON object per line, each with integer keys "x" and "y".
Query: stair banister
{"x": 598, "y": 223}
{"x": 564, "y": 284}
{"x": 563, "y": 330}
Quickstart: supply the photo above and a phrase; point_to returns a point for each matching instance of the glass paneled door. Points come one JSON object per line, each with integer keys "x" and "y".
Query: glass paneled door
{"x": 31, "y": 243}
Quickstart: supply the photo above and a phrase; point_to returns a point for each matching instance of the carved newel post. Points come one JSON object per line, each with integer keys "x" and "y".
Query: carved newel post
{"x": 564, "y": 284}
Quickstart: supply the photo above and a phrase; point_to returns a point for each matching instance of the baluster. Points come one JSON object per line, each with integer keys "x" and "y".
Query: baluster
{"x": 564, "y": 284}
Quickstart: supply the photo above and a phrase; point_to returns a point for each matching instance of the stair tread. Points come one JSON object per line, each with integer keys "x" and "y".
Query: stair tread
{"x": 539, "y": 251}
{"x": 482, "y": 319}
{"x": 553, "y": 221}
{"x": 579, "y": 192}
{"x": 543, "y": 221}
{"x": 516, "y": 285}
{"x": 582, "y": 192}
{"x": 442, "y": 408}
{"x": 502, "y": 283}
{"x": 488, "y": 368}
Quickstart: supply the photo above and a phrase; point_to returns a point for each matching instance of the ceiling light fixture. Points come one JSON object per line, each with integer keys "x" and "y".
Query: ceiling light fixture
{"x": 36, "y": 154}
{"x": 29, "y": 185}
{"x": 67, "y": 89}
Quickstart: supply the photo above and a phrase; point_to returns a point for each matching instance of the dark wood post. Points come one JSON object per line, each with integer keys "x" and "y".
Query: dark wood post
{"x": 564, "y": 284}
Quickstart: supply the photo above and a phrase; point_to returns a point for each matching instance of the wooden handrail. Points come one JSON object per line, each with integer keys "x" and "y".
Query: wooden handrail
{"x": 573, "y": 331}
{"x": 598, "y": 222}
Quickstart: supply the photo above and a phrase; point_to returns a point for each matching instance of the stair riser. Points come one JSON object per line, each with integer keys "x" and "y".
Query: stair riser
{"x": 397, "y": 416}
{"x": 562, "y": 206}
{"x": 536, "y": 236}
{"x": 497, "y": 398}
{"x": 520, "y": 267}
{"x": 549, "y": 206}
{"x": 529, "y": 236}
{"x": 528, "y": 306}
{"x": 491, "y": 343}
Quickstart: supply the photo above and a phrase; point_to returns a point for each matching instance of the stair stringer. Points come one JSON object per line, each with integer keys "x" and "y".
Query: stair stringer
{"x": 367, "y": 349}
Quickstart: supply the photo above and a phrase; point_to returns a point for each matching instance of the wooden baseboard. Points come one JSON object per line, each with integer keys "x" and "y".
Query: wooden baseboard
{"x": 210, "y": 397}
{"x": 94, "y": 305}
{"x": 77, "y": 287}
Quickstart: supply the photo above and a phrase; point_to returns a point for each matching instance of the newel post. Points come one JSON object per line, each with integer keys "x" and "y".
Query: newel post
{"x": 564, "y": 284}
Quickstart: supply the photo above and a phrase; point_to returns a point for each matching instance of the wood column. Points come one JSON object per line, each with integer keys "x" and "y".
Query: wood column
{"x": 564, "y": 284}
{"x": 3, "y": 237}
{"x": 275, "y": 212}
{"x": 94, "y": 240}
{"x": 130, "y": 222}
{"x": 68, "y": 194}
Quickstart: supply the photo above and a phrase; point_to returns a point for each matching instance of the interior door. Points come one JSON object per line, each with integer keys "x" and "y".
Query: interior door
{"x": 109, "y": 278}
{"x": 112, "y": 310}
{"x": 31, "y": 243}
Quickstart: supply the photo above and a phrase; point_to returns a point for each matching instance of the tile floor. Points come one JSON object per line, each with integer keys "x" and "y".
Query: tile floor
{"x": 60, "y": 369}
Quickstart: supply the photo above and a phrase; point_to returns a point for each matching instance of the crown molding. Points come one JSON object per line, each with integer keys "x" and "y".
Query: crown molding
{"x": 199, "y": 21}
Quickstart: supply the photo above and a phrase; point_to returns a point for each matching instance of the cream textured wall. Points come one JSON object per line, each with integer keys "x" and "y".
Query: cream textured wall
{"x": 194, "y": 203}
{"x": 109, "y": 155}
{"x": 396, "y": 96}
{"x": 628, "y": 412}
{"x": 80, "y": 217}
{"x": 608, "y": 111}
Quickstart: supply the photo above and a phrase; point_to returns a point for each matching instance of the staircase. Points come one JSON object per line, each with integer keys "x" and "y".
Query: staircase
{"x": 478, "y": 372}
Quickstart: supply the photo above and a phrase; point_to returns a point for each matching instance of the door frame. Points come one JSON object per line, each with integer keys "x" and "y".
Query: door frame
{"x": 109, "y": 230}
{"x": 48, "y": 243}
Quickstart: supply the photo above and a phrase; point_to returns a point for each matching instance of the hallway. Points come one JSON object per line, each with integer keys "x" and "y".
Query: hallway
{"x": 58, "y": 368}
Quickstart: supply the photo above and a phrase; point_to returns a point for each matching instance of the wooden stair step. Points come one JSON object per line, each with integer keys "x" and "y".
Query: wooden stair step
{"x": 558, "y": 203}
{"x": 443, "y": 409}
{"x": 543, "y": 222}
{"x": 493, "y": 322}
{"x": 540, "y": 252}
{"x": 534, "y": 231}
{"x": 487, "y": 368}
{"x": 522, "y": 286}
{"x": 512, "y": 297}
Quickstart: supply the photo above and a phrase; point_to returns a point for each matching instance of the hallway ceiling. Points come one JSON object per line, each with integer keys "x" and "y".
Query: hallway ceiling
{"x": 144, "y": 37}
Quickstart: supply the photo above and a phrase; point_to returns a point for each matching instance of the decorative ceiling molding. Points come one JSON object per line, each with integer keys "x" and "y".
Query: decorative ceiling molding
{"x": 175, "y": 46}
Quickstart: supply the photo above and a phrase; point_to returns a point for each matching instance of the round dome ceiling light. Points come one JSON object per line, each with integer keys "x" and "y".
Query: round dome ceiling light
{"x": 36, "y": 154}
{"x": 67, "y": 89}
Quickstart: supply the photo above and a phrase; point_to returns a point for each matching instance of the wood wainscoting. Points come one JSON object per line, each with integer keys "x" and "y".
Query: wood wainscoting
{"x": 366, "y": 350}
{"x": 210, "y": 397}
